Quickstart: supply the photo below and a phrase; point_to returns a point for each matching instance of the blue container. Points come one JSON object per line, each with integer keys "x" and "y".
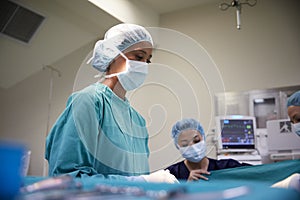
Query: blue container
{"x": 10, "y": 169}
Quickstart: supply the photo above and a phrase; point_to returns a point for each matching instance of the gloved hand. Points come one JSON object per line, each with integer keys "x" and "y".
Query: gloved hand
{"x": 161, "y": 176}
{"x": 292, "y": 181}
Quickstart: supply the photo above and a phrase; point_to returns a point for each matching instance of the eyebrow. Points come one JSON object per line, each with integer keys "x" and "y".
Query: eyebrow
{"x": 186, "y": 140}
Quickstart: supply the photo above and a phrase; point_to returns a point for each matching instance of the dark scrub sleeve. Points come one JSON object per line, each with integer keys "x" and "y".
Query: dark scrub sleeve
{"x": 181, "y": 172}
{"x": 224, "y": 164}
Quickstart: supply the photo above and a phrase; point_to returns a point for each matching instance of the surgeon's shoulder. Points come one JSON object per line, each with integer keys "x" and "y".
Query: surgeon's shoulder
{"x": 90, "y": 94}
{"x": 138, "y": 117}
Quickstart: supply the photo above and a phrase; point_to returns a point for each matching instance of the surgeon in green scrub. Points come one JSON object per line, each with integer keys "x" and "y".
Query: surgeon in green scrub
{"x": 99, "y": 133}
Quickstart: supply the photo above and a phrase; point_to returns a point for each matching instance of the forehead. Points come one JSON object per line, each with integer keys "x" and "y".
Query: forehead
{"x": 146, "y": 46}
{"x": 293, "y": 110}
{"x": 147, "y": 52}
{"x": 188, "y": 134}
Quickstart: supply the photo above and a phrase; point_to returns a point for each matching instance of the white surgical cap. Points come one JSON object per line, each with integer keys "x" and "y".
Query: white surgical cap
{"x": 117, "y": 39}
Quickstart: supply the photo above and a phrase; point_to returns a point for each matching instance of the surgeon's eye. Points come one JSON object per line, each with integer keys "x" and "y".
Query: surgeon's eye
{"x": 139, "y": 57}
{"x": 142, "y": 59}
{"x": 196, "y": 140}
{"x": 296, "y": 120}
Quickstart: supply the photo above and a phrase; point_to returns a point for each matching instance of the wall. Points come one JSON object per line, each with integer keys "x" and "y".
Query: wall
{"x": 263, "y": 54}
{"x": 63, "y": 30}
{"x": 24, "y": 110}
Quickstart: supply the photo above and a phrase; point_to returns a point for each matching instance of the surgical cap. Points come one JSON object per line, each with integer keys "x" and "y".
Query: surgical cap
{"x": 186, "y": 124}
{"x": 294, "y": 100}
{"x": 116, "y": 39}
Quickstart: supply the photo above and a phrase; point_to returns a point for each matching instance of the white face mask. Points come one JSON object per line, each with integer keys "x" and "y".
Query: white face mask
{"x": 195, "y": 152}
{"x": 296, "y": 128}
{"x": 134, "y": 75}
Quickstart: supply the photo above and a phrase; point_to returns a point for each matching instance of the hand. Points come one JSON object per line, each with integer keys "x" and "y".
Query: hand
{"x": 292, "y": 181}
{"x": 161, "y": 176}
{"x": 197, "y": 174}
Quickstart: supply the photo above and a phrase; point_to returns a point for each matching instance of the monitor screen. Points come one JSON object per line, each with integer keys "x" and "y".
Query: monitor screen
{"x": 237, "y": 133}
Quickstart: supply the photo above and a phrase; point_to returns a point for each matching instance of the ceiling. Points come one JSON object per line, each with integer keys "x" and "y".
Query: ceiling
{"x": 165, "y": 6}
{"x": 66, "y": 28}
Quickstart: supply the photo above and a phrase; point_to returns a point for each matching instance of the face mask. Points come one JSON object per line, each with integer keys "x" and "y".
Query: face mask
{"x": 296, "y": 128}
{"x": 194, "y": 153}
{"x": 134, "y": 75}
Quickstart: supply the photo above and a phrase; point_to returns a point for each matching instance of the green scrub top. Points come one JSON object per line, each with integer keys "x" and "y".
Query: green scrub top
{"x": 98, "y": 134}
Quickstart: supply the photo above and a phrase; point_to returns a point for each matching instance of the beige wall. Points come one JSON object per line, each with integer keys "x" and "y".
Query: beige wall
{"x": 24, "y": 107}
{"x": 264, "y": 54}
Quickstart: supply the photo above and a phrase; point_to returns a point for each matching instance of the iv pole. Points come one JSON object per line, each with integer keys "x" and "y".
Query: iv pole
{"x": 52, "y": 70}
{"x": 238, "y": 5}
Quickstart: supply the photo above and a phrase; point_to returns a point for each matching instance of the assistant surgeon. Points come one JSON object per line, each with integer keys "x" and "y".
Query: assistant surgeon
{"x": 99, "y": 133}
{"x": 293, "y": 110}
{"x": 293, "y": 106}
{"x": 189, "y": 139}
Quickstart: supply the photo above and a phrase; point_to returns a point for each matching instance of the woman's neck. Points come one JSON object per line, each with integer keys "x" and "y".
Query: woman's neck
{"x": 203, "y": 164}
{"x": 115, "y": 86}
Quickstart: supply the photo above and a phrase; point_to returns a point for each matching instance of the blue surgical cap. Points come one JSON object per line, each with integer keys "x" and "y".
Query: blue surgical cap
{"x": 294, "y": 100}
{"x": 117, "y": 39}
{"x": 186, "y": 124}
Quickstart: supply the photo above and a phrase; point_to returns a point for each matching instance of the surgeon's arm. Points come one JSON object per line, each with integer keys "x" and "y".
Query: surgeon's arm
{"x": 73, "y": 139}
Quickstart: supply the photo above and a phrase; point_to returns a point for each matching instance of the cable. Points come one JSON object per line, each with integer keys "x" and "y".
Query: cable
{"x": 52, "y": 70}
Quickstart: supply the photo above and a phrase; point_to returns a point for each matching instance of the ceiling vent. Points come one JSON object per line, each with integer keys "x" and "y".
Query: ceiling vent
{"x": 18, "y": 22}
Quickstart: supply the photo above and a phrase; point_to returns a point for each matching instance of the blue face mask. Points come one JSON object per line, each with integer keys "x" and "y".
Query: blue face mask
{"x": 134, "y": 75}
{"x": 194, "y": 153}
{"x": 296, "y": 128}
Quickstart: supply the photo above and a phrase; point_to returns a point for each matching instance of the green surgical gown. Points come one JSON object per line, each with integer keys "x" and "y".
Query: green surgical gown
{"x": 98, "y": 134}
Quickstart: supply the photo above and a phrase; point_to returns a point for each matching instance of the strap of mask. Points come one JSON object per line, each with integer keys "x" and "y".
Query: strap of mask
{"x": 115, "y": 74}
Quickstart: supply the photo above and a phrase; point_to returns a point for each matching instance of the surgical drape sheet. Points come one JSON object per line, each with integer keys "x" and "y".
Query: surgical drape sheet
{"x": 258, "y": 178}
{"x": 98, "y": 134}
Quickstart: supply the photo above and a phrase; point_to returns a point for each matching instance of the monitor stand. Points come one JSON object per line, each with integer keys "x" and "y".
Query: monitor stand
{"x": 250, "y": 156}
